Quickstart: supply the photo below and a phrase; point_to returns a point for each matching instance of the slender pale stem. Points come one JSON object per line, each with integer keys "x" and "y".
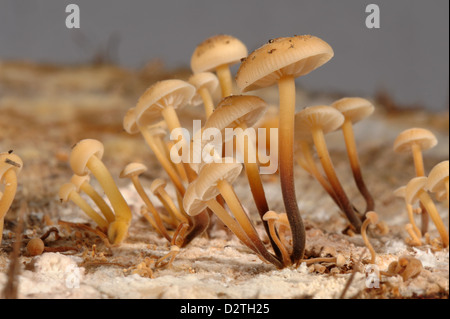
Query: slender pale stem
{"x": 350, "y": 143}
{"x": 225, "y": 79}
{"x": 10, "y": 180}
{"x": 286, "y": 87}
{"x": 167, "y": 201}
{"x": 178, "y": 166}
{"x": 101, "y": 173}
{"x": 207, "y": 101}
{"x": 364, "y": 226}
{"x": 235, "y": 206}
{"x": 80, "y": 202}
{"x": 321, "y": 147}
{"x": 412, "y": 221}
{"x": 99, "y": 201}
{"x": 278, "y": 243}
{"x": 427, "y": 202}
{"x": 420, "y": 171}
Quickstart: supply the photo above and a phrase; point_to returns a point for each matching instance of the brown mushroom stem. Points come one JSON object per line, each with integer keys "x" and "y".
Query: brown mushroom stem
{"x": 225, "y": 79}
{"x": 150, "y": 207}
{"x": 226, "y": 190}
{"x": 164, "y": 161}
{"x": 207, "y": 101}
{"x": 349, "y": 138}
{"x": 427, "y": 202}
{"x": 286, "y": 88}
{"x": 416, "y": 229}
{"x": 99, "y": 201}
{"x": 231, "y": 223}
{"x": 10, "y": 181}
{"x": 320, "y": 144}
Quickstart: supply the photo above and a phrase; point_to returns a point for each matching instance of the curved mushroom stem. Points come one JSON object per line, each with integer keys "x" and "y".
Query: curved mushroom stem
{"x": 319, "y": 142}
{"x": 349, "y": 137}
{"x": 170, "y": 206}
{"x": 10, "y": 181}
{"x": 225, "y": 79}
{"x": 150, "y": 207}
{"x": 410, "y": 211}
{"x": 81, "y": 203}
{"x": 207, "y": 101}
{"x": 235, "y": 206}
{"x": 286, "y": 88}
{"x": 278, "y": 243}
{"x": 415, "y": 240}
{"x": 164, "y": 161}
{"x": 99, "y": 201}
{"x": 364, "y": 227}
{"x": 427, "y": 202}
{"x": 420, "y": 171}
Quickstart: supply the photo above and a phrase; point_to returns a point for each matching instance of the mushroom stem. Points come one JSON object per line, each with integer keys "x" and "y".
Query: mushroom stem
{"x": 101, "y": 173}
{"x": 319, "y": 142}
{"x": 207, "y": 101}
{"x": 415, "y": 240}
{"x": 286, "y": 87}
{"x": 178, "y": 166}
{"x": 349, "y": 137}
{"x": 170, "y": 206}
{"x": 278, "y": 243}
{"x": 163, "y": 160}
{"x": 80, "y": 202}
{"x": 150, "y": 207}
{"x": 427, "y": 202}
{"x": 365, "y": 225}
{"x": 235, "y": 206}
{"x": 410, "y": 211}
{"x": 420, "y": 171}
{"x": 99, "y": 201}
{"x": 225, "y": 79}
{"x": 10, "y": 181}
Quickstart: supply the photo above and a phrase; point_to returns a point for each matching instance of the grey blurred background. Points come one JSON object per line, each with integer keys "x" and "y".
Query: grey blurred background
{"x": 408, "y": 56}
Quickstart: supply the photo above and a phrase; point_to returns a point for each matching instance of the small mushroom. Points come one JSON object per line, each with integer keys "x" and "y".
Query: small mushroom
{"x": 86, "y": 156}
{"x": 437, "y": 181}
{"x": 279, "y": 62}
{"x": 217, "y": 53}
{"x": 354, "y": 110}
{"x": 132, "y": 171}
{"x": 68, "y": 192}
{"x": 206, "y": 84}
{"x": 82, "y": 184}
{"x": 10, "y": 167}
{"x": 406, "y": 266}
{"x": 35, "y": 247}
{"x": 415, "y": 191}
{"x": 271, "y": 217}
{"x": 371, "y": 218}
{"x": 401, "y": 192}
{"x": 320, "y": 120}
{"x": 414, "y": 239}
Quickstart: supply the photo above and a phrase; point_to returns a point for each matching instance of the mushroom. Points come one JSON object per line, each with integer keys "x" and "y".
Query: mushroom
{"x": 206, "y": 84}
{"x": 217, "y": 53}
{"x": 68, "y": 192}
{"x": 320, "y": 120}
{"x": 354, "y": 110}
{"x": 406, "y": 266}
{"x": 371, "y": 218}
{"x": 271, "y": 217}
{"x": 415, "y": 141}
{"x": 35, "y": 247}
{"x": 216, "y": 178}
{"x": 279, "y": 62}
{"x": 414, "y": 239}
{"x": 86, "y": 156}
{"x": 132, "y": 171}
{"x": 10, "y": 167}
{"x": 437, "y": 181}
{"x": 82, "y": 184}
{"x": 415, "y": 192}
{"x": 401, "y": 192}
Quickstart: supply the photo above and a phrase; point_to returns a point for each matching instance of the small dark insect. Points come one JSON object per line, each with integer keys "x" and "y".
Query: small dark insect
{"x": 271, "y": 41}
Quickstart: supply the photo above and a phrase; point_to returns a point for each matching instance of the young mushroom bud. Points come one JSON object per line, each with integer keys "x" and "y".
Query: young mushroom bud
{"x": 10, "y": 167}
{"x": 279, "y": 62}
{"x": 354, "y": 110}
{"x": 218, "y": 53}
{"x": 415, "y": 192}
{"x": 86, "y": 157}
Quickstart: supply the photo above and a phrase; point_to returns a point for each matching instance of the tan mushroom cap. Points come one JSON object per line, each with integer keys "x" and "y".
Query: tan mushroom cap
{"x": 129, "y": 122}
{"x": 206, "y": 80}
{"x": 400, "y": 192}
{"x": 65, "y": 190}
{"x": 79, "y": 180}
{"x": 295, "y": 56}
{"x": 236, "y": 110}
{"x": 413, "y": 188}
{"x": 215, "y": 51}
{"x": 176, "y": 93}
{"x": 133, "y": 169}
{"x": 10, "y": 161}
{"x": 326, "y": 117}
{"x": 437, "y": 177}
{"x": 211, "y": 174}
{"x": 156, "y": 184}
{"x": 82, "y": 152}
{"x": 372, "y": 216}
{"x": 192, "y": 204}
{"x": 354, "y": 109}
{"x": 422, "y": 137}
{"x": 270, "y": 215}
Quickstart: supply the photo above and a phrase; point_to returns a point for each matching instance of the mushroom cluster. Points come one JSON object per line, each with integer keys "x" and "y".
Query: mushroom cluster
{"x": 418, "y": 190}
